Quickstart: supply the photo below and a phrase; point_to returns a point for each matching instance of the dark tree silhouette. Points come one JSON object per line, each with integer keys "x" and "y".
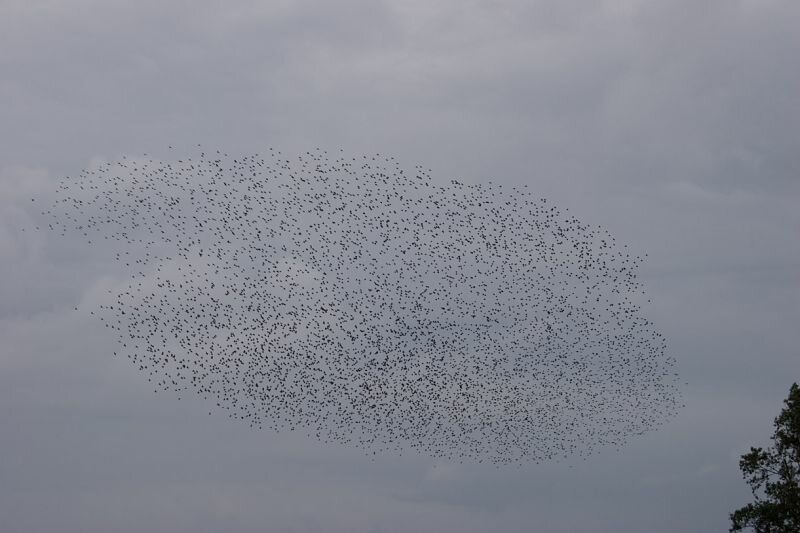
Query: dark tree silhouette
{"x": 774, "y": 477}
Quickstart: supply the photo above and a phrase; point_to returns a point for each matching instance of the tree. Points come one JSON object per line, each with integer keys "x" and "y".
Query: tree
{"x": 774, "y": 477}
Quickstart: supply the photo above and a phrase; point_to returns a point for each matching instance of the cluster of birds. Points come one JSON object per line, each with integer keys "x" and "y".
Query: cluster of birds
{"x": 369, "y": 304}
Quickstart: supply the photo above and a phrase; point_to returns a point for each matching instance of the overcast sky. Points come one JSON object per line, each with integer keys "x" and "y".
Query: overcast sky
{"x": 673, "y": 124}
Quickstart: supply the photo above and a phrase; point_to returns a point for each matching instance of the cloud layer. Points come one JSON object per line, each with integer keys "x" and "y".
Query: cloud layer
{"x": 673, "y": 125}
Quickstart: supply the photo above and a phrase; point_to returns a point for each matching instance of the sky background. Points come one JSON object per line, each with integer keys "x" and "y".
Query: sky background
{"x": 673, "y": 124}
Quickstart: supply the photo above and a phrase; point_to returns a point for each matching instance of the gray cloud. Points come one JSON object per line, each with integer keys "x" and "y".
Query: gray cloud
{"x": 672, "y": 124}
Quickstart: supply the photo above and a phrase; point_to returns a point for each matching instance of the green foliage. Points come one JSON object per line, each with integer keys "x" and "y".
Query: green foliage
{"x": 774, "y": 477}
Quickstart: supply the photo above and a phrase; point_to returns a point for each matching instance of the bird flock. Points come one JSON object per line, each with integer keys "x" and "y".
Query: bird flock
{"x": 366, "y": 303}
